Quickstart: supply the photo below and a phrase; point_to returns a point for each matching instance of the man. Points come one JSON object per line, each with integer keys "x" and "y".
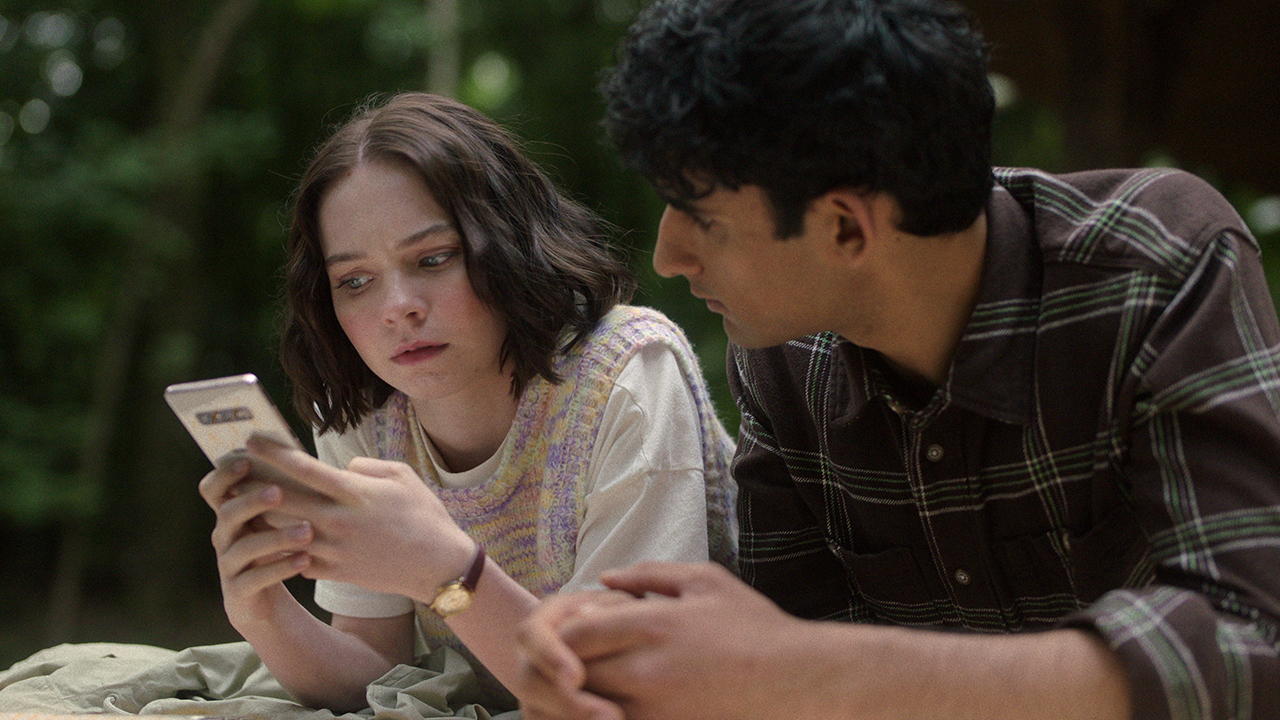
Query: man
{"x": 1039, "y": 412}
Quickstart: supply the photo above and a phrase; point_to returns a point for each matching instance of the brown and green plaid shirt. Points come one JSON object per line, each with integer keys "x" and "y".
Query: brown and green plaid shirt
{"x": 1105, "y": 452}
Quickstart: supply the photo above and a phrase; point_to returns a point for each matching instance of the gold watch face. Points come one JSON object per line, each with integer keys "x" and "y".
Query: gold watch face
{"x": 453, "y": 598}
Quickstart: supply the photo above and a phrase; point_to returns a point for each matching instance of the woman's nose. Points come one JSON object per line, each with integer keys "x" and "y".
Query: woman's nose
{"x": 403, "y": 300}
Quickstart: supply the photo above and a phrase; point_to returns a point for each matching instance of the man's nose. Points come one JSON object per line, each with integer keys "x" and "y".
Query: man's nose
{"x": 672, "y": 253}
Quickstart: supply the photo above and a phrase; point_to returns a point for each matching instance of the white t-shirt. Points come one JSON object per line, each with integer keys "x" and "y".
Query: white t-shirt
{"x": 645, "y": 492}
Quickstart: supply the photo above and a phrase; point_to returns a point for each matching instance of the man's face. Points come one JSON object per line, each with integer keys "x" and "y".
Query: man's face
{"x": 768, "y": 290}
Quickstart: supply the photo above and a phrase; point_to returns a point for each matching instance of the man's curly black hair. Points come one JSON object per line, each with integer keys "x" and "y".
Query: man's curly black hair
{"x": 801, "y": 97}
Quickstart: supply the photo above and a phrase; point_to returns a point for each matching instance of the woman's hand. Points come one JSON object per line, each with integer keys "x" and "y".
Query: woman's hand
{"x": 261, "y": 540}
{"x": 257, "y": 546}
{"x": 375, "y": 524}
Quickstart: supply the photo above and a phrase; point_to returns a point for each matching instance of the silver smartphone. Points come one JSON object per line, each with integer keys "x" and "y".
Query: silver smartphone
{"x": 222, "y": 413}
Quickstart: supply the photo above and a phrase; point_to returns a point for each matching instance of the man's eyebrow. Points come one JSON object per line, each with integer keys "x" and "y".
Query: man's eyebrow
{"x": 680, "y": 204}
{"x": 426, "y": 232}
{"x": 685, "y": 203}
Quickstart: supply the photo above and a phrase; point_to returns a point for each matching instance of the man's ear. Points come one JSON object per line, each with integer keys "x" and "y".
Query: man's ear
{"x": 851, "y": 220}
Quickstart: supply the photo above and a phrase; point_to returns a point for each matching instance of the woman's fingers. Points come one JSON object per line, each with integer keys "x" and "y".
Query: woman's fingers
{"x": 261, "y": 549}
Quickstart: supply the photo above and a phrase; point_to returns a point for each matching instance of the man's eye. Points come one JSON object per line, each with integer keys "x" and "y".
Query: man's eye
{"x": 696, "y": 218}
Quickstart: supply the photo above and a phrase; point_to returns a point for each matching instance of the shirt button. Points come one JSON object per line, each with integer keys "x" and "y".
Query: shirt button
{"x": 962, "y": 577}
{"x": 934, "y": 453}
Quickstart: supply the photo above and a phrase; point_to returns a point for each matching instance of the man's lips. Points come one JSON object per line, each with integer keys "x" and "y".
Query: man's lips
{"x": 713, "y": 305}
{"x": 414, "y": 353}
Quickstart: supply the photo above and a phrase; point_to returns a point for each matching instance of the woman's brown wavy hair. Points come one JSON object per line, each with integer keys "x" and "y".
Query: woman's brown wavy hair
{"x": 537, "y": 258}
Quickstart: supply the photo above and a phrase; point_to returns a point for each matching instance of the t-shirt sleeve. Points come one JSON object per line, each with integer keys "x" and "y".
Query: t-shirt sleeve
{"x": 337, "y": 450}
{"x": 646, "y": 493}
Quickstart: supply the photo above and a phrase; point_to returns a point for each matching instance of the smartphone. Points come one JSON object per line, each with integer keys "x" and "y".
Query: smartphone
{"x": 222, "y": 413}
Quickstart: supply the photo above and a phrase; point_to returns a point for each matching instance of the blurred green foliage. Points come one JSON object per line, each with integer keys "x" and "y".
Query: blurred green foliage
{"x": 147, "y": 152}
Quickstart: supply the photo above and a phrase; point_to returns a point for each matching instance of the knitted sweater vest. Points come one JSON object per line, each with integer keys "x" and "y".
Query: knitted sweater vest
{"x": 528, "y": 515}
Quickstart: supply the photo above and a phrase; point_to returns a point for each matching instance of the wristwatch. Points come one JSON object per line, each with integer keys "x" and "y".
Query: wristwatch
{"x": 455, "y": 596}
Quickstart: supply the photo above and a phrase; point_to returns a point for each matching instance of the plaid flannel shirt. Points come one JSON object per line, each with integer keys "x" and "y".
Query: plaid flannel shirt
{"x": 1104, "y": 454}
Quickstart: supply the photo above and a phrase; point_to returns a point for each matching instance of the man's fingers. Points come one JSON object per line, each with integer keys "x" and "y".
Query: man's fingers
{"x": 543, "y": 647}
{"x": 602, "y": 631}
{"x": 551, "y": 686}
{"x": 273, "y": 519}
{"x": 664, "y": 578}
{"x": 580, "y": 705}
{"x": 544, "y": 698}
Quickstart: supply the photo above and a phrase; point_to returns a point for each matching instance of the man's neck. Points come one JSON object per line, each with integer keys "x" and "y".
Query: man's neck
{"x": 933, "y": 296}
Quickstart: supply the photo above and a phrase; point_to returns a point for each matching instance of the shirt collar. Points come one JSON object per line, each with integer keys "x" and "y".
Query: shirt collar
{"x": 994, "y": 363}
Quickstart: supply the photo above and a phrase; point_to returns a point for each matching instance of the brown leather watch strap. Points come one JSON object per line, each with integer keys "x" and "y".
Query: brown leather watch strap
{"x": 455, "y": 596}
{"x": 472, "y": 578}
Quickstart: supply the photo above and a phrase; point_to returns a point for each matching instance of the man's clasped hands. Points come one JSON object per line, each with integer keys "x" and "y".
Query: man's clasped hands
{"x": 661, "y": 634}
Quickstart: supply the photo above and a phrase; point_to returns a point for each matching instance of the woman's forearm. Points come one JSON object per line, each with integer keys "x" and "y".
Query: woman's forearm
{"x": 320, "y": 665}
{"x": 488, "y": 626}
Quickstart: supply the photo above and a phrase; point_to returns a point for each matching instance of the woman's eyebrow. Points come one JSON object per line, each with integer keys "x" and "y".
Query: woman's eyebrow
{"x": 432, "y": 229}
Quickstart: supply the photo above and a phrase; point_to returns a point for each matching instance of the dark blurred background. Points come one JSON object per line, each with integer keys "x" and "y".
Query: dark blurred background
{"x": 148, "y": 147}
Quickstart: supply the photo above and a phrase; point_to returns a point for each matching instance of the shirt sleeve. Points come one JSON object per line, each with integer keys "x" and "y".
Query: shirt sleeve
{"x": 1204, "y": 467}
{"x": 338, "y": 450}
{"x": 646, "y": 498}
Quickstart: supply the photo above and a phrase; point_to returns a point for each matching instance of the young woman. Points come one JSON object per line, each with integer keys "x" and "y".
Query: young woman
{"x": 492, "y": 423}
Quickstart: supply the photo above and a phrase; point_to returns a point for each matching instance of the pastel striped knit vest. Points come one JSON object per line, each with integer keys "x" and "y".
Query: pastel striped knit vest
{"x": 528, "y": 515}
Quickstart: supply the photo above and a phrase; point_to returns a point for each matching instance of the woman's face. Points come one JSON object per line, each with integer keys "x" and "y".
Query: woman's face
{"x": 400, "y": 288}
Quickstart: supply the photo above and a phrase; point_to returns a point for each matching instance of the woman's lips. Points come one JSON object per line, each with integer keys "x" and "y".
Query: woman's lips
{"x": 417, "y": 353}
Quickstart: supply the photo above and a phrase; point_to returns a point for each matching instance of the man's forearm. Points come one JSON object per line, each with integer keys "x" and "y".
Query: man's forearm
{"x": 866, "y": 672}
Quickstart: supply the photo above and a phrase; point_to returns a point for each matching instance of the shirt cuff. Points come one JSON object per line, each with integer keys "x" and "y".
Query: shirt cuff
{"x": 354, "y": 601}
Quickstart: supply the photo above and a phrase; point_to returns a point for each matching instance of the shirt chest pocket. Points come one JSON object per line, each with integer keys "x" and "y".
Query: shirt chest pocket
{"x": 889, "y": 583}
{"x": 1026, "y": 582}
{"x": 1053, "y": 566}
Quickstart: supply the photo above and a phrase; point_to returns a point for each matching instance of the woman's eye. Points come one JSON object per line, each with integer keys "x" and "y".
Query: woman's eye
{"x": 355, "y": 283}
{"x": 437, "y": 259}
